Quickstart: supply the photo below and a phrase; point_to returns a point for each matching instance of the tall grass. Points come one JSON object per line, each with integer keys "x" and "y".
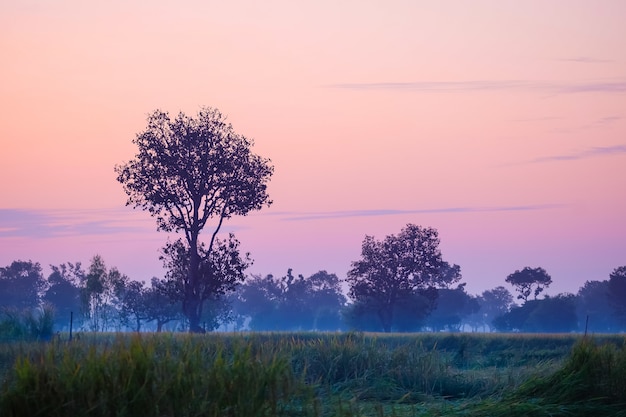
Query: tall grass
{"x": 176, "y": 376}
{"x": 314, "y": 374}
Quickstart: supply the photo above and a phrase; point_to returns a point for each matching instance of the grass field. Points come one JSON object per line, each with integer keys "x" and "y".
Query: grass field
{"x": 315, "y": 374}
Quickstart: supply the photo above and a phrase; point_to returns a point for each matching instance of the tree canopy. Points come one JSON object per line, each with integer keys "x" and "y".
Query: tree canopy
{"x": 529, "y": 281}
{"x": 190, "y": 172}
{"x": 391, "y": 272}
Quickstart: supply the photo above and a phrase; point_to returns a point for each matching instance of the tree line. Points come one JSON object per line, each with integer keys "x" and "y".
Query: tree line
{"x": 101, "y": 298}
{"x": 194, "y": 173}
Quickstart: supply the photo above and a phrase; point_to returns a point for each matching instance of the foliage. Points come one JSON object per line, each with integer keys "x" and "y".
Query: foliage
{"x": 291, "y": 302}
{"x": 617, "y": 293}
{"x": 187, "y": 172}
{"x": 99, "y": 294}
{"x": 529, "y": 280}
{"x": 219, "y": 272}
{"x": 594, "y": 310}
{"x": 21, "y": 285}
{"x": 395, "y": 269}
{"x": 453, "y": 305}
{"x": 549, "y": 315}
{"x": 63, "y": 294}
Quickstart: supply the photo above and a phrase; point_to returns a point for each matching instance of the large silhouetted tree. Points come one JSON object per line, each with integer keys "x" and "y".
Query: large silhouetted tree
{"x": 392, "y": 271}
{"x": 192, "y": 174}
{"x": 529, "y": 281}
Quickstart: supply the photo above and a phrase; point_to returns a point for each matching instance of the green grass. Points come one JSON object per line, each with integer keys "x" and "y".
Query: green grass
{"x": 314, "y": 374}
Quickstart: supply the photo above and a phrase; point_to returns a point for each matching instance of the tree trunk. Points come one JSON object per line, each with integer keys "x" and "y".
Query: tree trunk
{"x": 386, "y": 318}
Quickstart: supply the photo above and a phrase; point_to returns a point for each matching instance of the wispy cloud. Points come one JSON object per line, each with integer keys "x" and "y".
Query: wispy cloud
{"x": 605, "y": 86}
{"x": 587, "y": 153}
{"x": 55, "y": 223}
{"x": 323, "y": 215}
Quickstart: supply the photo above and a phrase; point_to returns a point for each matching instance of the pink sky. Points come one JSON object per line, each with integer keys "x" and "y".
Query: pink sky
{"x": 500, "y": 123}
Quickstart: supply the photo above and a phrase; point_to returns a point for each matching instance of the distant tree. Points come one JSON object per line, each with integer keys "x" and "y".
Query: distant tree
{"x": 291, "y": 302}
{"x": 553, "y": 315}
{"x": 63, "y": 294}
{"x": 494, "y": 303}
{"x": 219, "y": 272}
{"x": 392, "y": 271}
{"x": 617, "y": 293}
{"x": 548, "y": 315}
{"x": 21, "y": 285}
{"x": 99, "y": 296}
{"x": 132, "y": 308}
{"x": 159, "y": 307}
{"x": 594, "y": 309}
{"x": 452, "y": 306}
{"x": 189, "y": 171}
{"x": 529, "y": 281}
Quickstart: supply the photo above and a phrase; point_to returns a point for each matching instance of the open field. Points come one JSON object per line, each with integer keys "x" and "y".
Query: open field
{"x": 315, "y": 374}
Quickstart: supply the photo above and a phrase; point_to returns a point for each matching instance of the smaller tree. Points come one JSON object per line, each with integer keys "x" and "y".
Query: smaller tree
{"x": 494, "y": 303}
{"x": 21, "y": 285}
{"x": 159, "y": 307}
{"x": 63, "y": 293}
{"x": 617, "y": 293}
{"x": 529, "y": 281}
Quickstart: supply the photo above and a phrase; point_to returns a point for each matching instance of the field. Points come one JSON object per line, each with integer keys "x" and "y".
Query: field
{"x": 315, "y": 374}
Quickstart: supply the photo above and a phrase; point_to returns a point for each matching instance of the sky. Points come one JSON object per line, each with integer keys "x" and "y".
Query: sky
{"x": 500, "y": 123}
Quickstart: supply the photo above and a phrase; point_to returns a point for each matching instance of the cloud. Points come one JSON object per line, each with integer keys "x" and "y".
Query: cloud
{"x": 588, "y": 153}
{"x": 56, "y": 223}
{"x": 322, "y": 215}
{"x": 607, "y": 86}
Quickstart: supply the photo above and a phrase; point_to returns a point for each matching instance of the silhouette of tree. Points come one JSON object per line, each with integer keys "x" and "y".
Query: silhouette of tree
{"x": 392, "y": 271}
{"x": 549, "y": 315}
{"x": 452, "y": 306}
{"x": 219, "y": 271}
{"x": 494, "y": 303}
{"x": 98, "y": 294}
{"x": 159, "y": 307}
{"x": 21, "y": 285}
{"x": 189, "y": 171}
{"x": 291, "y": 302}
{"x": 594, "y": 309}
{"x": 63, "y": 293}
{"x": 528, "y": 278}
{"x": 617, "y": 293}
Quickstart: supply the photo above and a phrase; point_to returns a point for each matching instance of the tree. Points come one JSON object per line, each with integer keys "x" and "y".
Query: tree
{"x": 291, "y": 302}
{"x": 528, "y": 278}
{"x": 131, "y": 303}
{"x": 159, "y": 307}
{"x": 548, "y": 315}
{"x": 63, "y": 293}
{"x": 99, "y": 295}
{"x": 595, "y": 312}
{"x": 21, "y": 285}
{"x": 191, "y": 174}
{"x": 392, "y": 271}
{"x": 494, "y": 303}
{"x": 617, "y": 293}
{"x": 218, "y": 273}
{"x": 453, "y": 305}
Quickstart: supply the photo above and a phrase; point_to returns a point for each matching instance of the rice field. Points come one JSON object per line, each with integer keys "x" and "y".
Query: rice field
{"x": 315, "y": 374}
